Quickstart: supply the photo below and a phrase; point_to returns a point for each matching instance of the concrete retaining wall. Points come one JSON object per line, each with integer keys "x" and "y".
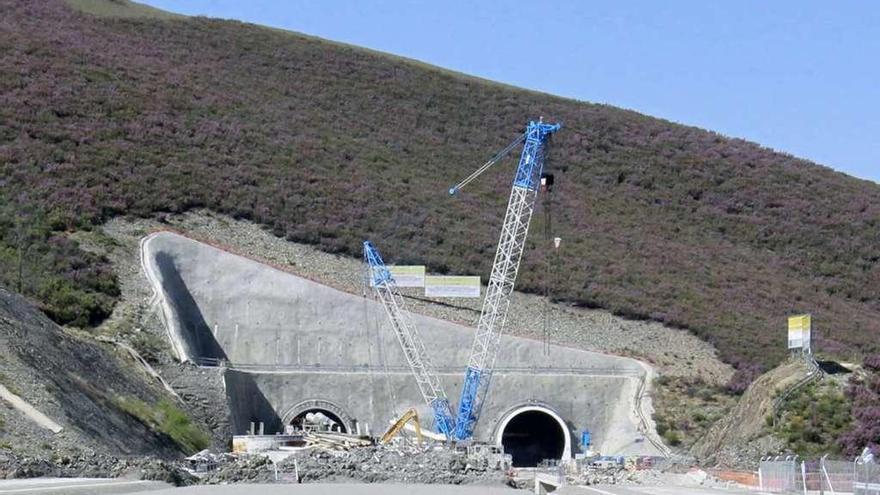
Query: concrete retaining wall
{"x": 300, "y": 340}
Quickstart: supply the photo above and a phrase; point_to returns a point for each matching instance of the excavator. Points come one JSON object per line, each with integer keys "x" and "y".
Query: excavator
{"x": 395, "y": 428}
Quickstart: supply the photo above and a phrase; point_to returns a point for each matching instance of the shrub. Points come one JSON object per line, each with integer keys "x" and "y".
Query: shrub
{"x": 672, "y": 438}
{"x": 742, "y": 377}
{"x": 813, "y": 419}
{"x": 168, "y": 419}
{"x": 864, "y": 392}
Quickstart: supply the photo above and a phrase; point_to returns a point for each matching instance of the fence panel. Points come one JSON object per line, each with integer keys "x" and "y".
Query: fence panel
{"x": 780, "y": 476}
{"x": 837, "y": 476}
{"x": 867, "y": 478}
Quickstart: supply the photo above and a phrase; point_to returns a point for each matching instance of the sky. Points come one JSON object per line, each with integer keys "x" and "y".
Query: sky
{"x": 799, "y": 76}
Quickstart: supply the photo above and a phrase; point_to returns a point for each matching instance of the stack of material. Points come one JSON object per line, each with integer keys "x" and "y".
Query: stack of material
{"x": 336, "y": 441}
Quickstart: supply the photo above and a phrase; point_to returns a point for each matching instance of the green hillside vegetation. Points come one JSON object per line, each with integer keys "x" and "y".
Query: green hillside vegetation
{"x": 814, "y": 418}
{"x": 329, "y": 144}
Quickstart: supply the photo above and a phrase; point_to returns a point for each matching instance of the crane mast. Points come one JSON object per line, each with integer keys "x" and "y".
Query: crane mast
{"x": 504, "y": 270}
{"x": 411, "y": 343}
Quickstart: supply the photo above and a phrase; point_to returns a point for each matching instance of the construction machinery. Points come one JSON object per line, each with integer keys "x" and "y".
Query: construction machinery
{"x": 411, "y": 343}
{"x": 395, "y": 428}
{"x": 493, "y": 316}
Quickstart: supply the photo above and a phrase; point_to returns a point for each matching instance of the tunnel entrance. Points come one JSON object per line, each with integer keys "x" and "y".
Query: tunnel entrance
{"x": 318, "y": 420}
{"x": 532, "y": 436}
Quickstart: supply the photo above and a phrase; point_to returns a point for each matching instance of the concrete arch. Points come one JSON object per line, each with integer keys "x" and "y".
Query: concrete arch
{"x": 321, "y": 405}
{"x": 515, "y": 411}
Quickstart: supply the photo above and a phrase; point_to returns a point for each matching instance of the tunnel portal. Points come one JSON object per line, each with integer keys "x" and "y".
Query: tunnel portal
{"x": 319, "y": 419}
{"x": 532, "y": 435}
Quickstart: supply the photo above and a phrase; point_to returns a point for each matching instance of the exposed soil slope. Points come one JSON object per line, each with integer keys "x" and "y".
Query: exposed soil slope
{"x": 80, "y": 384}
{"x": 328, "y": 144}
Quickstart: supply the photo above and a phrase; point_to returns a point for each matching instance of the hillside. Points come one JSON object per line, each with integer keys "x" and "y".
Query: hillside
{"x": 97, "y": 395}
{"x": 329, "y": 144}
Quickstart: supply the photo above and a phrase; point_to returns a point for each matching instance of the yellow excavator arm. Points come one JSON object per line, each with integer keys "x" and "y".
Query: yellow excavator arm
{"x": 409, "y": 415}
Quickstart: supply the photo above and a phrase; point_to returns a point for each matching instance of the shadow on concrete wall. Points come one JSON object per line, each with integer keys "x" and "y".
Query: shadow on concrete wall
{"x": 247, "y": 404}
{"x": 199, "y": 339}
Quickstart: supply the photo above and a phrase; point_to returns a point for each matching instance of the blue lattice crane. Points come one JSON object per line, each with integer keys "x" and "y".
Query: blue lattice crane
{"x": 507, "y": 258}
{"x": 410, "y": 342}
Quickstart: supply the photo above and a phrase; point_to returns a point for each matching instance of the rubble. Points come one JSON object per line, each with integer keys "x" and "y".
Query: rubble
{"x": 673, "y": 472}
{"x": 93, "y": 465}
{"x": 327, "y": 462}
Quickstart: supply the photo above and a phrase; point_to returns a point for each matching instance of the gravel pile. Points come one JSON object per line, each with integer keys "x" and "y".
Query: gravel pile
{"x": 673, "y": 352}
{"x": 376, "y": 464}
{"x": 93, "y": 465}
{"x": 619, "y": 475}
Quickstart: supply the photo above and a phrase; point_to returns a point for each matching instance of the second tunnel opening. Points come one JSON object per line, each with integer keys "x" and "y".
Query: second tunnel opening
{"x": 532, "y": 436}
{"x": 318, "y": 420}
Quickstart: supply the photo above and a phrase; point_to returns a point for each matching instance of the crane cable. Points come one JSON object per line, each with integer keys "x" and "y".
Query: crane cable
{"x": 380, "y": 351}
{"x": 492, "y": 161}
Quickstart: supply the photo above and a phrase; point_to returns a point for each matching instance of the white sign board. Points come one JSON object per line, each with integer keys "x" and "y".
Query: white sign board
{"x": 452, "y": 286}
{"x": 799, "y": 332}
{"x": 407, "y": 275}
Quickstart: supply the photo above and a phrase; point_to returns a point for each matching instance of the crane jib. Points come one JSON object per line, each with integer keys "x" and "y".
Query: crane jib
{"x": 496, "y": 303}
{"x": 410, "y": 341}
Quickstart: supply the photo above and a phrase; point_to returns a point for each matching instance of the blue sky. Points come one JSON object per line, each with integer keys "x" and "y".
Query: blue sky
{"x": 798, "y": 76}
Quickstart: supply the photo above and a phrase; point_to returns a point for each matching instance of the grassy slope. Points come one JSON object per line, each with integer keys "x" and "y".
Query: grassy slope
{"x": 331, "y": 144}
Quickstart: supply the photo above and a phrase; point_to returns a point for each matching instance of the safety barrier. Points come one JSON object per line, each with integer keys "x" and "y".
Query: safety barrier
{"x": 779, "y": 475}
{"x": 867, "y": 475}
{"x": 791, "y": 475}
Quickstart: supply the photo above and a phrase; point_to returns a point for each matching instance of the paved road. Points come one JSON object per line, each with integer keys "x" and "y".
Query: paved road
{"x": 647, "y": 490}
{"x": 77, "y": 486}
{"x": 340, "y": 489}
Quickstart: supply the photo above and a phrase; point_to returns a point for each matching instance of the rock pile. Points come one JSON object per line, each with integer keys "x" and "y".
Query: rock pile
{"x": 374, "y": 464}
{"x": 93, "y": 465}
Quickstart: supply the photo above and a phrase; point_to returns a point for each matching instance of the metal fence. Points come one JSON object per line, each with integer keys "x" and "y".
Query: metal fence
{"x": 792, "y": 475}
{"x": 780, "y": 475}
{"x": 867, "y": 475}
{"x": 837, "y": 476}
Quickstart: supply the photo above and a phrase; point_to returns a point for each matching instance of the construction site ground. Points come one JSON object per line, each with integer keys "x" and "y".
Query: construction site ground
{"x": 83, "y": 486}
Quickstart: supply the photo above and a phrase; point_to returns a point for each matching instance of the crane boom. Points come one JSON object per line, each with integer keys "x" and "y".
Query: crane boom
{"x": 507, "y": 259}
{"x": 413, "y": 348}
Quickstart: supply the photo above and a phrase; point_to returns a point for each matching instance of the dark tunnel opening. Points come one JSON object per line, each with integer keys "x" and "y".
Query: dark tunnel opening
{"x": 318, "y": 420}
{"x": 532, "y": 436}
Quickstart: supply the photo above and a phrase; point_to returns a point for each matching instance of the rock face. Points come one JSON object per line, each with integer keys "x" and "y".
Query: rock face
{"x": 294, "y": 344}
{"x": 77, "y": 382}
